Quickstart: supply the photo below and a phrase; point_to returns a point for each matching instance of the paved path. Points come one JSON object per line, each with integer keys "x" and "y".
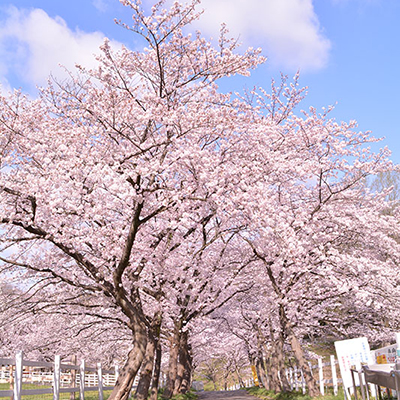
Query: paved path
{"x": 228, "y": 395}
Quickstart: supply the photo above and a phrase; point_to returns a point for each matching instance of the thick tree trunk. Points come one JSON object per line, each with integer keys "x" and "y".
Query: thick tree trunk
{"x": 173, "y": 362}
{"x": 262, "y": 377}
{"x": 226, "y": 375}
{"x": 278, "y": 382}
{"x": 188, "y": 370}
{"x": 274, "y": 372}
{"x": 184, "y": 366}
{"x": 142, "y": 390}
{"x": 272, "y": 375}
{"x": 156, "y": 373}
{"x": 260, "y": 364}
{"x": 299, "y": 354}
{"x": 241, "y": 383}
{"x": 281, "y": 364}
{"x": 180, "y": 369}
{"x": 127, "y": 375}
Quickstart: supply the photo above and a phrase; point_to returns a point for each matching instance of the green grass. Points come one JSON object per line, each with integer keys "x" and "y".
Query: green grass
{"x": 270, "y": 395}
{"x": 190, "y": 395}
{"x": 92, "y": 395}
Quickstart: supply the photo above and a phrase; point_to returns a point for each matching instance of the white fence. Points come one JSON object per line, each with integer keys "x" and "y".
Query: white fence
{"x": 325, "y": 373}
{"x": 327, "y": 376}
{"x": 63, "y": 378}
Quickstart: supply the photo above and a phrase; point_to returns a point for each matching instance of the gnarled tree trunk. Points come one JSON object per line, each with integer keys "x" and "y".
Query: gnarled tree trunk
{"x": 299, "y": 354}
{"x": 278, "y": 381}
{"x": 184, "y": 371}
{"x": 142, "y": 390}
{"x": 174, "y": 343}
{"x": 127, "y": 375}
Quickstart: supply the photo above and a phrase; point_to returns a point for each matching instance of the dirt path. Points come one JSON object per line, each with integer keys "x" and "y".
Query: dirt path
{"x": 228, "y": 395}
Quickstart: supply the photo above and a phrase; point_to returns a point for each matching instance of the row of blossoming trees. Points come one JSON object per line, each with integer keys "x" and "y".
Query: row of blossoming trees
{"x": 143, "y": 213}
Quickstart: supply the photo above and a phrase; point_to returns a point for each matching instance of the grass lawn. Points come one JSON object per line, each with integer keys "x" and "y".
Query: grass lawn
{"x": 92, "y": 395}
{"x": 269, "y": 395}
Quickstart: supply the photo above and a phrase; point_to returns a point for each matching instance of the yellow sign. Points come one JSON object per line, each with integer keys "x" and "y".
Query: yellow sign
{"x": 255, "y": 377}
{"x": 381, "y": 359}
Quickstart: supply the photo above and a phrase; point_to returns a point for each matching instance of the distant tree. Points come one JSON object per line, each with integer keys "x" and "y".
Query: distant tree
{"x": 387, "y": 181}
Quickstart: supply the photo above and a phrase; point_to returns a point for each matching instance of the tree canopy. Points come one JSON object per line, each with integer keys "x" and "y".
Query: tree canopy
{"x": 137, "y": 200}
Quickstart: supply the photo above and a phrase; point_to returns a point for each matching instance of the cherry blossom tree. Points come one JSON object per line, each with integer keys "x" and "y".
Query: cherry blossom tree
{"x": 139, "y": 195}
{"x": 97, "y": 174}
{"x": 41, "y": 330}
{"x": 325, "y": 228}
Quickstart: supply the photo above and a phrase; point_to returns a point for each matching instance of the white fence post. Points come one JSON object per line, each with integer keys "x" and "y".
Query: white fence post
{"x": 82, "y": 381}
{"x": 310, "y": 365}
{"x": 18, "y": 375}
{"x": 334, "y": 375}
{"x": 116, "y": 373}
{"x": 303, "y": 382}
{"x": 56, "y": 377}
{"x": 100, "y": 377}
{"x": 321, "y": 377}
{"x": 296, "y": 381}
{"x": 291, "y": 378}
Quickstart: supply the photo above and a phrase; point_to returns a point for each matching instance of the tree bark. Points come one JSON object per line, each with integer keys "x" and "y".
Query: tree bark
{"x": 262, "y": 377}
{"x": 173, "y": 361}
{"x": 241, "y": 383}
{"x": 157, "y": 371}
{"x": 276, "y": 363}
{"x": 299, "y": 354}
{"x": 281, "y": 364}
{"x": 127, "y": 375}
{"x": 187, "y": 363}
{"x": 142, "y": 390}
{"x": 183, "y": 376}
{"x": 260, "y": 364}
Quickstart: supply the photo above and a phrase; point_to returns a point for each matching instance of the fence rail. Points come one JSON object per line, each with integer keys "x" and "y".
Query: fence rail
{"x": 64, "y": 378}
{"x": 327, "y": 376}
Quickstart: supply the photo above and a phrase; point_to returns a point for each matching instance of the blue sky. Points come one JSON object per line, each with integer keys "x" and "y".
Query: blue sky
{"x": 347, "y": 51}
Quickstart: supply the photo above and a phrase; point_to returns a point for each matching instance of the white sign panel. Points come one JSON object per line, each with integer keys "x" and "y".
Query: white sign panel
{"x": 352, "y": 352}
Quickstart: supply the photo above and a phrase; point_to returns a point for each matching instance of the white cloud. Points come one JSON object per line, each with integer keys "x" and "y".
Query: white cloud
{"x": 101, "y": 5}
{"x": 33, "y": 45}
{"x": 288, "y": 30}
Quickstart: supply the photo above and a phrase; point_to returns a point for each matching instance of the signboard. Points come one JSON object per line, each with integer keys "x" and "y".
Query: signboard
{"x": 386, "y": 355}
{"x": 352, "y": 352}
{"x": 255, "y": 377}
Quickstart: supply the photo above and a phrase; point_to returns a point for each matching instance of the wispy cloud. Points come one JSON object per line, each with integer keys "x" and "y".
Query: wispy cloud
{"x": 101, "y": 5}
{"x": 33, "y": 45}
{"x": 288, "y": 30}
